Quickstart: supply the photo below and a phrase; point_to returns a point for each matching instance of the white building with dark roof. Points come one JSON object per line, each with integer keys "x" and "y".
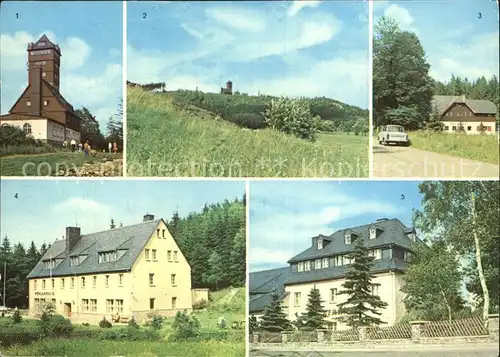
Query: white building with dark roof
{"x": 133, "y": 271}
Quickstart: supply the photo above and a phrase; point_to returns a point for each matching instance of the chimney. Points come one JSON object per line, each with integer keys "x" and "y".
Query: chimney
{"x": 148, "y": 217}
{"x": 112, "y": 225}
{"x": 35, "y": 82}
{"x": 229, "y": 86}
{"x": 72, "y": 237}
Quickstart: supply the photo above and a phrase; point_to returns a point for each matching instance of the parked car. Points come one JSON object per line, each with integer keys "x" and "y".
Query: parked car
{"x": 393, "y": 134}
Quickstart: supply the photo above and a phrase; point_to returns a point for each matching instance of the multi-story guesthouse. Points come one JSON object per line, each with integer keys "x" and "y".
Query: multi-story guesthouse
{"x": 129, "y": 271}
{"x": 41, "y": 111}
{"x": 324, "y": 264}
{"x": 466, "y": 115}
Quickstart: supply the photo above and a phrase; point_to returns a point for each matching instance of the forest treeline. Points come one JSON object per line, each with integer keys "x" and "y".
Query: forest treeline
{"x": 212, "y": 240}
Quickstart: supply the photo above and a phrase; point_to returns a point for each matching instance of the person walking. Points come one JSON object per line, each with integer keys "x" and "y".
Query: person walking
{"x": 115, "y": 148}
{"x": 73, "y": 145}
{"x": 86, "y": 148}
{"x": 110, "y": 146}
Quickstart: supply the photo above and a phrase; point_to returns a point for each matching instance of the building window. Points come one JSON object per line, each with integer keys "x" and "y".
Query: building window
{"x": 43, "y": 284}
{"x": 169, "y": 255}
{"x": 320, "y": 244}
{"x": 120, "y": 279}
{"x": 469, "y": 128}
{"x": 41, "y": 43}
{"x": 146, "y": 252}
{"x": 172, "y": 279}
{"x": 109, "y": 306}
{"x": 72, "y": 283}
{"x": 338, "y": 261}
{"x": 375, "y": 290}
{"x": 163, "y": 233}
{"x": 300, "y": 266}
{"x": 333, "y": 295}
{"x": 62, "y": 283}
{"x": 37, "y": 304}
{"x": 27, "y": 127}
{"x": 44, "y": 74}
{"x": 347, "y": 238}
{"x": 453, "y": 128}
{"x": 174, "y": 303}
{"x": 307, "y": 265}
{"x": 107, "y": 257}
{"x": 94, "y": 281}
{"x": 446, "y": 128}
{"x": 28, "y": 104}
{"x": 489, "y": 128}
{"x": 154, "y": 254}
{"x": 85, "y": 305}
{"x": 93, "y": 305}
{"x": 119, "y": 305}
{"x": 175, "y": 256}
{"x": 34, "y": 284}
{"x": 106, "y": 281}
{"x": 151, "y": 279}
{"x": 158, "y": 232}
{"x": 317, "y": 264}
{"x": 373, "y": 233}
{"x": 151, "y": 303}
{"x": 324, "y": 263}
{"x": 296, "y": 300}
{"x": 375, "y": 253}
{"x": 73, "y": 261}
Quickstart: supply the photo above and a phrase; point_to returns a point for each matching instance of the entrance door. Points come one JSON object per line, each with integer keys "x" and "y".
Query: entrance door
{"x": 67, "y": 309}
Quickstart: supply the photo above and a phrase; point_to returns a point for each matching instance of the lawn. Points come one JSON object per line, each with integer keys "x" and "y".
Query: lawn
{"x": 50, "y": 164}
{"x": 166, "y": 141}
{"x": 475, "y": 147}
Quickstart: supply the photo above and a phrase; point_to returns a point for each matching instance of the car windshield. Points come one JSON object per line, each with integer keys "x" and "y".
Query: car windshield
{"x": 395, "y": 129}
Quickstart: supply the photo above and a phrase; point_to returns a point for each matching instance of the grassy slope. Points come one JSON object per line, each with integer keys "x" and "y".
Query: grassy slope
{"x": 46, "y": 164}
{"x": 164, "y": 141}
{"x": 475, "y": 147}
{"x": 234, "y": 347}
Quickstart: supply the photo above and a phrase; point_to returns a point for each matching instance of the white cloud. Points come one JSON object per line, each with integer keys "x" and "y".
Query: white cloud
{"x": 76, "y": 52}
{"x": 379, "y": 4}
{"x": 299, "y": 5}
{"x": 238, "y": 18}
{"x": 401, "y": 15}
{"x": 81, "y": 204}
{"x": 260, "y": 255}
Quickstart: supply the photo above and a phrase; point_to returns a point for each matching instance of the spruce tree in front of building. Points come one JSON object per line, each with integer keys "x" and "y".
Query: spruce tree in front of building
{"x": 274, "y": 319}
{"x": 314, "y": 317}
{"x": 361, "y": 307}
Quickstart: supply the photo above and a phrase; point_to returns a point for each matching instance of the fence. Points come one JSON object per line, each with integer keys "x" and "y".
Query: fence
{"x": 464, "y": 330}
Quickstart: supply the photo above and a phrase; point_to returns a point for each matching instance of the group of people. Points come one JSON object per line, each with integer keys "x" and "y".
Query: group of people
{"x": 86, "y": 148}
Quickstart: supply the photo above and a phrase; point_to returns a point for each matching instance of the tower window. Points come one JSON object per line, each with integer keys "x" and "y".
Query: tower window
{"x": 44, "y": 74}
{"x": 28, "y": 103}
{"x": 41, "y": 43}
{"x": 45, "y": 102}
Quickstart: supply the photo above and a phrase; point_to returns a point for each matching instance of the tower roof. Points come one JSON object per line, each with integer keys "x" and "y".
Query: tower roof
{"x": 43, "y": 43}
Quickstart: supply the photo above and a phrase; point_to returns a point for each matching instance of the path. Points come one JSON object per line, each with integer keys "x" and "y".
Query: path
{"x": 400, "y": 161}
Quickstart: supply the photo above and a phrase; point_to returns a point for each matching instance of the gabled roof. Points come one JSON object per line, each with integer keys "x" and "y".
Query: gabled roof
{"x": 48, "y": 45}
{"x": 262, "y": 283}
{"x": 393, "y": 232}
{"x": 130, "y": 238}
{"x": 477, "y": 106}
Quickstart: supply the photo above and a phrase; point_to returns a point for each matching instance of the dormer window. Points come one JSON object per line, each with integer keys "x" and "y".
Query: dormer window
{"x": 41, "y": 43}
{"x": 320, "y": 244}
{"x": 373, "y": 233}
{"x": 107, "y": 257}
{"x": 73, "y": 261}
{"x": 347, "y": 238}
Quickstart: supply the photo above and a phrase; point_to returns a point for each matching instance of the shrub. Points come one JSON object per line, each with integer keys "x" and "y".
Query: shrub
{"x": 58, "y": 326}
{"x": 200, "y": 305}
{"x": 248, "y": 120}
{"x": 291, "y": 117}
{"x": 130, "y": 334}
{"x": 105, "y": 323}
{"x": 157, "y": 322}
{"x": 16, "y": 317}
{"x": 86, "y": 324}
{"x": 132, "y": 323}
{"x": 185, "y": 327}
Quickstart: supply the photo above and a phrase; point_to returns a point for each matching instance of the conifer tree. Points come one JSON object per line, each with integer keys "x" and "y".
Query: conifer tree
{"x": 361, "y": 307}
{"x": 253, "y": 324}
{"x": 314, "y": 317}
{"x": 274, "y": 319}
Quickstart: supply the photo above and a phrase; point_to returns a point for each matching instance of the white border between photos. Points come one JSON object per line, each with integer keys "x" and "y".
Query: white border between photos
{"x": 124, "y": 86}
{"x": 370, "y": 89}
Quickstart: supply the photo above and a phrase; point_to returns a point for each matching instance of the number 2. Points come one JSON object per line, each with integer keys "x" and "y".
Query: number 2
{"x": 144, "y": 15}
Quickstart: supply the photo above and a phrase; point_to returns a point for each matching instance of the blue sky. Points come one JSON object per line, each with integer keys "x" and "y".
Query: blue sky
{"x": 90, "y": 37}
{"x": 459, "y": 37}
{"x": 45, "y": 207}
{"x": 295, "y": 48}
{"x": 284, "y": 215}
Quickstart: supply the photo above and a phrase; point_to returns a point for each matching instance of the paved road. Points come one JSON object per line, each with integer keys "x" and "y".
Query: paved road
{"x": 400, "y": 161}
{"x": 475, "y": 350}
